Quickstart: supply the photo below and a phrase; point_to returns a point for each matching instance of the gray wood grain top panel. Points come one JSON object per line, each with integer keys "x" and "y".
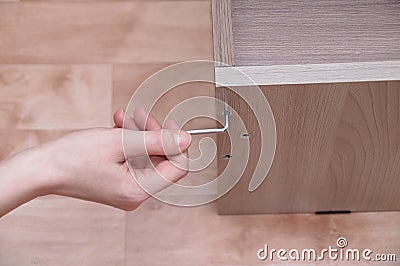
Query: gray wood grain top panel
{"x": 275, "y": 32}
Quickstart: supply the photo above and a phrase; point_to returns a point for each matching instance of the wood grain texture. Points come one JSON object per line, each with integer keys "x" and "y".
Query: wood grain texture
{"x": 62, "y": 231}
{"x": 306, "y": 118}
{"x": 222, "y": 31}
{"x": 105, "y": 32}
{"x": 365, "y": 162}
{"x": 310, "y": 73}
{"x": 274, "y": 32}
{"x": 338, "y": 149}
{"x": 55, "y": 96}
{"x": 127, "y": 78}
{"x": 199, "y": 236}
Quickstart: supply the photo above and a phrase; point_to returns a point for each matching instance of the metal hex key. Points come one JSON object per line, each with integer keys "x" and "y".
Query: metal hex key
{"x": 212, "y": 130}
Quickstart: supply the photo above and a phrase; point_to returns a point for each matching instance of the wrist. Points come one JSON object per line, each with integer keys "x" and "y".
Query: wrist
{"x": 21, "y": 180}
{"x": 34, "y": 171}
{"x": 44, "y": 174}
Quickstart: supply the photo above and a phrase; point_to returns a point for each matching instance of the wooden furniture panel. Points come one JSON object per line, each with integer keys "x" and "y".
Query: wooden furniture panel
{"x": 105, "y": 32}
{"x": 365, "y": 162}
{"x": 330, "y": 71}
{"x": 222, "y": 31}
{"x": 309, "y": 73}
{"x": 337, "y": 149}
{"x": 306, "y": 118}
{"x": 275, "y": 32}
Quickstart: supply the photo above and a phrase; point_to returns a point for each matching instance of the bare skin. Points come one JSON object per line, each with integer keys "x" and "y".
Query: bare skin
{"x": 91, "y": 164}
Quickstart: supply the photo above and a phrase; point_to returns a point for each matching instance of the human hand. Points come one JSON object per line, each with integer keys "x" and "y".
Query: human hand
{"x": 91, "y": 165}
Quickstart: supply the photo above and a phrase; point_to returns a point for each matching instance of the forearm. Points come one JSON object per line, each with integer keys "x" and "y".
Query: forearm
{"x": 20, "y": 181}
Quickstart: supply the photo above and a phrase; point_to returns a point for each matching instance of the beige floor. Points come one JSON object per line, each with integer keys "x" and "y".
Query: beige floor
{"x": 67, "y": 65}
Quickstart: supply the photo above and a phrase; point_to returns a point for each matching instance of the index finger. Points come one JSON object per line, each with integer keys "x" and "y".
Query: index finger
{"x": 157, "y": 142}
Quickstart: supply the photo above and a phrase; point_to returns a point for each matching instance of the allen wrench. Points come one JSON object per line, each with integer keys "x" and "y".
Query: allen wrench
{"x": 213, "y": 130}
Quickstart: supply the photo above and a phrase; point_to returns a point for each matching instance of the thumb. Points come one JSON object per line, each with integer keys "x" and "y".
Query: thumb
{"x": 156, "y": 142}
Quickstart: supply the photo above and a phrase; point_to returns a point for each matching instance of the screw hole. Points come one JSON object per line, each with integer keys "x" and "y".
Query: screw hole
{"x": 245, "y": 135}
{"x": 226, "y": 112}
{"x": 226, "y": 156}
